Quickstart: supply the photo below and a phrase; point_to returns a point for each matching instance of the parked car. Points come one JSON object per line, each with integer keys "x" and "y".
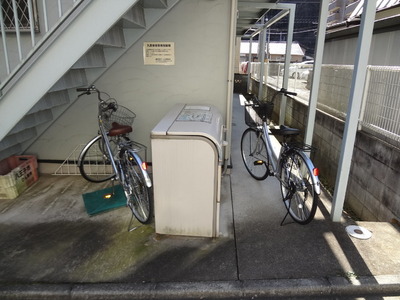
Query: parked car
{"x": 301, "y": 70}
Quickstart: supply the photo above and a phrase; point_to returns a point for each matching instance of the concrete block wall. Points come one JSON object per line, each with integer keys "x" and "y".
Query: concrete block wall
{"x": 373, "y": 191}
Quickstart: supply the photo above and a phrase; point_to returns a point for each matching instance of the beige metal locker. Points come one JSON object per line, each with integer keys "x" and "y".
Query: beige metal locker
{"x": 187, "y": 160}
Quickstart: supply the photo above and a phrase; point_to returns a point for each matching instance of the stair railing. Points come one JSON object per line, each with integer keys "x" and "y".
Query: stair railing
{"x": 22, "y": 33}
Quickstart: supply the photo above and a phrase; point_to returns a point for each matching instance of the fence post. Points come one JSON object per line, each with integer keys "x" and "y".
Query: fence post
{"x": 364, "y": 98}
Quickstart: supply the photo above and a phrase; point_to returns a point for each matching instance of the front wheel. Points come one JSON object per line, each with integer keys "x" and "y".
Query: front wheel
{"x": 94, "y": 163}
{"x": 254, "y": 154}
{"x": 298, "y": 192}
{"x": 136, "y": 191}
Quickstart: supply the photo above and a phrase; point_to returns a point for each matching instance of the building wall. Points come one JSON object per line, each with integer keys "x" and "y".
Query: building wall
{"x": 200, "y": 30}
{"x": 384, "y": 50}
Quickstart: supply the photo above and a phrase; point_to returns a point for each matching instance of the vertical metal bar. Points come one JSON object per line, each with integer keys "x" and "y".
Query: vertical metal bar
{"x": 261, "y": 55}
{"x": 249, "y": 66}
{"x": 288, "y": 56}
{"x": 46, "y": 23}
{"x": 4, "y": 39}
{"x": 31, "y": 22}
{"x": 316, "y": 78}
{"x": 365, "y": 98}
{"x": 231, "y": 63}
{"x": 17, "y": 32}
{"x": 59, "y": 9}
{"x": 357, "y": 85}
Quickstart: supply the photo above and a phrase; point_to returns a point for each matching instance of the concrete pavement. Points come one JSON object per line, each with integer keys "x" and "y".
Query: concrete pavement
{"x": 51, "y": 249}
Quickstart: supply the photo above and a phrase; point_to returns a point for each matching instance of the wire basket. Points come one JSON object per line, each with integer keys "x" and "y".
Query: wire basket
{"x": 255, "y": 114}
{"x": 122, "y": 116}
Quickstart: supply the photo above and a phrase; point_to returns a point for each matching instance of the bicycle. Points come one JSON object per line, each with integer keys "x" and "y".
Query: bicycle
{"x": 300, "y": 185}
{"x": 111, "y": 155}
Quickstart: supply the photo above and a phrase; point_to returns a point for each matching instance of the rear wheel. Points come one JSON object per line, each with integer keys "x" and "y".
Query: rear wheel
{"x": 254, "y": 153}
{"x": 297, "y": 188}
{"x": 136, "y": 191}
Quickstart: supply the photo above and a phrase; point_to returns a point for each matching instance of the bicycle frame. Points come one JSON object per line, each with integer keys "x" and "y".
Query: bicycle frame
{"x": 274, "y": 159}
{"x": 108, "y": 147}
{"x": 111, "y": 155}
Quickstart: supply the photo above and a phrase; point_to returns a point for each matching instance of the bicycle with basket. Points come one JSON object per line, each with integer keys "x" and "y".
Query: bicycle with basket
{"x": 300, "y": 185}
{"x": 112, "y": 155}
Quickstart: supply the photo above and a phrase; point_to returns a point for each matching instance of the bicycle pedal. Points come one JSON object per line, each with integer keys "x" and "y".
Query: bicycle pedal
{"x": 258, "y": 162}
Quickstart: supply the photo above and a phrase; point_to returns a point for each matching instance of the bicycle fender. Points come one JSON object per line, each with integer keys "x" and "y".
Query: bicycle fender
{"x": 90, "y": 143}
{"x": 144, "y": 172}
{"x": 315, "y": 179}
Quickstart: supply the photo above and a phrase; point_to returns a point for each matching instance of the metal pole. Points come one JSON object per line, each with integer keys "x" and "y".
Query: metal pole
{"x": 230, "y": 85}
{"x": 356, "y": 94}
{"x": 261, "y": 55}
{"x": 4, "y": 39}
{"x": 17, "y": 32}
{"x": 288, "y": 56}
{"x": 31, "y": 23}
{"x": 312, "y": 107}
{"x": 249, "y": 66}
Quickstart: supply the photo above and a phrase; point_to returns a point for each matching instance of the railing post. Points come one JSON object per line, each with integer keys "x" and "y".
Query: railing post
{"x": 364, "y": 98}
{"x": 3, "y": 37}
{"x": 46, "y": 21}
{"x": 16, "y": 20}
{"x": 31, "y": 23}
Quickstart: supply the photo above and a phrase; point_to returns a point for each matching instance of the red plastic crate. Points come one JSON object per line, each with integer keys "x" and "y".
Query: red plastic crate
{"x": 17, "y": 173}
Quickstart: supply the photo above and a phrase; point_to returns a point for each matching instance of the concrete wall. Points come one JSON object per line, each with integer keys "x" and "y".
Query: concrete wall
{"x": 373, "y": 191}
{"x": 200, "y": 30}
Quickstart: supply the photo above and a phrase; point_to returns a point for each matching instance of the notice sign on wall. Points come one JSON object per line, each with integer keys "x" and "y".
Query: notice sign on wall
{"x": 159, "y": 53}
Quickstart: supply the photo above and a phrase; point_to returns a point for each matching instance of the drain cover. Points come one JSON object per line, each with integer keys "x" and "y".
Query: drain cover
{"x": 358, "y": 232}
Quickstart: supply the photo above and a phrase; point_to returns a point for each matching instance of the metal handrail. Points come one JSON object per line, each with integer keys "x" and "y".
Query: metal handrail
{"x": 50, "y": 10}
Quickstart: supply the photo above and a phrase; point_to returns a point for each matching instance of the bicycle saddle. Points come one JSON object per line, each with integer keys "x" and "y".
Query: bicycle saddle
{"x": 285, "y": 130}
{"x": 118, "y": 129}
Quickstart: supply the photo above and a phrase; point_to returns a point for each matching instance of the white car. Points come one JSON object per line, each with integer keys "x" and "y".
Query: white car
{"x": 301, "y": 70}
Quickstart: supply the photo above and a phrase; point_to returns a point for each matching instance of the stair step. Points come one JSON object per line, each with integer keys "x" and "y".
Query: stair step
{"x": 13, "y": 150}
{"x": 94, "y": 58}
{"x": 32, "y": 120}
{"x": 155, "y": 4}
{"x": 113, "y": 38}
{"x": 12, "y": 140}
{"x": 72, "y": 79}
{"x": 51, "y": 100}
{"x": 134, "y": 18}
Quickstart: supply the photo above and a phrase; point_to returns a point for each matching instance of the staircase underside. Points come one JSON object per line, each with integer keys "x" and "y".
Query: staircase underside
{"x": 45, "y": 87}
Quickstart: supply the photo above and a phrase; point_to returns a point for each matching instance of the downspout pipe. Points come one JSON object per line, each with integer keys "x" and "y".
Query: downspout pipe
{"x": 230, "y": 75}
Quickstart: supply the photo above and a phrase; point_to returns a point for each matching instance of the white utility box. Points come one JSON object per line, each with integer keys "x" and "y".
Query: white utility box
{"x": 187, "y": 159}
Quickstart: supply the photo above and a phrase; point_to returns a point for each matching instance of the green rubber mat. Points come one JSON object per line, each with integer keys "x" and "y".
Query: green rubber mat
{"x": 96, "y": 202}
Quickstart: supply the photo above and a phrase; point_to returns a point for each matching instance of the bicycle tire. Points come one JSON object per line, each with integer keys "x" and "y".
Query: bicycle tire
{"x": 298, "y": 193}
{"x": 254, "y": 154}
{"x": 94, "y": 165}
{"x": 136, "y": 191}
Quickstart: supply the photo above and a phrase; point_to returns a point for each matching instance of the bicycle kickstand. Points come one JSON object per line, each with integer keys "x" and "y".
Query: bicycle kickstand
{"x": 289, "y": 196}
{"x": 134, "y": 227}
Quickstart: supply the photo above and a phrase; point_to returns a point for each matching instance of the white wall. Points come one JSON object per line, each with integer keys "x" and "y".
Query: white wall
{"x": 200, "y": 31}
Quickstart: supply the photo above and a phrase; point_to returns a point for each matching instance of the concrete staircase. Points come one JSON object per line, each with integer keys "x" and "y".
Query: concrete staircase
{"x": 72, "y": 57}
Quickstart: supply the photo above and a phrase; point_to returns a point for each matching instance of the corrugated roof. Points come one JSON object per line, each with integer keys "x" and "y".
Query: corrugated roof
{"x": 380, "y": 4}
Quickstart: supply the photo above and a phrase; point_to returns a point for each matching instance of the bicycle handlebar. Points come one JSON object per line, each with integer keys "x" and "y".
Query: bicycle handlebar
{"x": 104, "y": 104}
{"x": 286, "y": 92}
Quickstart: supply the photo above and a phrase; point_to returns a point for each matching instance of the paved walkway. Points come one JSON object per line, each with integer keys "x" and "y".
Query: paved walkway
{"x": 51, "y": 249}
